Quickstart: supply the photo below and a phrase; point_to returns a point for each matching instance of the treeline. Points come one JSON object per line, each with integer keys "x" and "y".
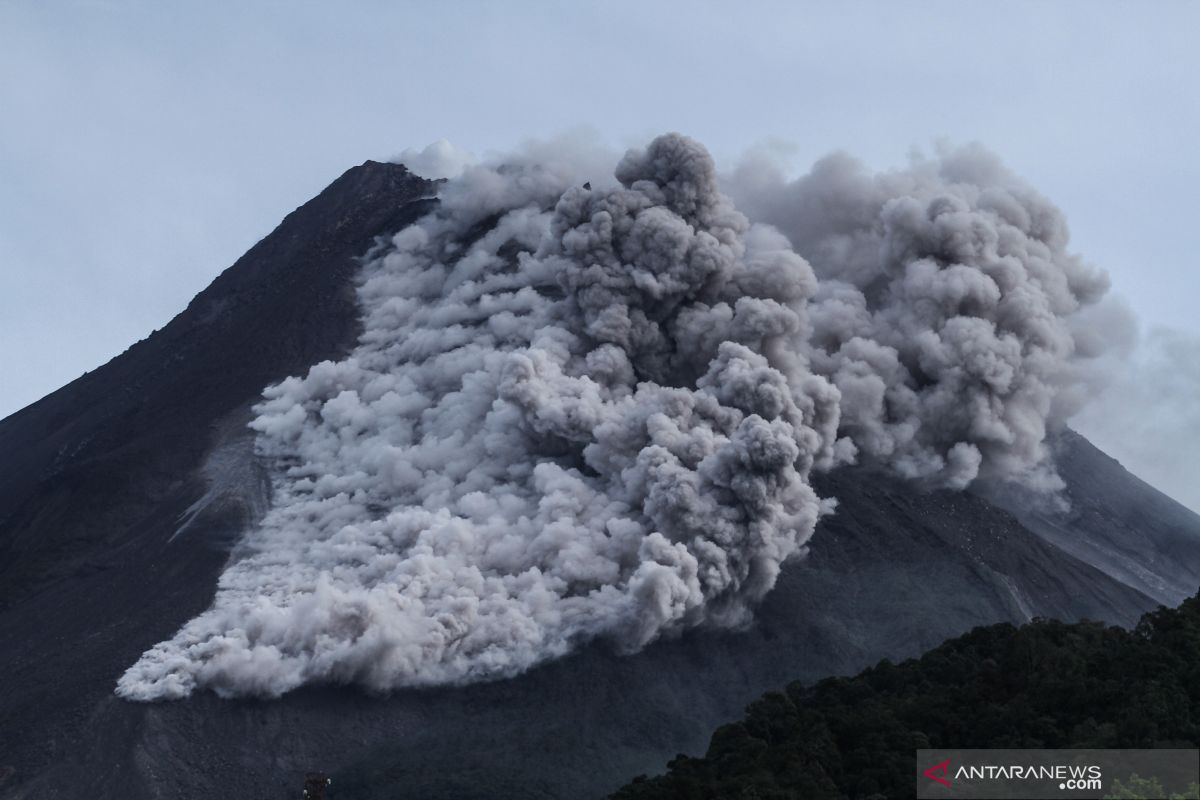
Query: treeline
{"x": 1046, "y": 684}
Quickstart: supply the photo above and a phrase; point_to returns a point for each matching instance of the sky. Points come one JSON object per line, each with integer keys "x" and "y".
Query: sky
{"x": 145, "y": 146}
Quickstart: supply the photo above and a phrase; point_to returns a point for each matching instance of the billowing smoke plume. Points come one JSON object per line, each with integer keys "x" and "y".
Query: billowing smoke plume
{"x": 573, "y": 414}
{"x": 947, "y": 313}
{"x": 579, "y": 414}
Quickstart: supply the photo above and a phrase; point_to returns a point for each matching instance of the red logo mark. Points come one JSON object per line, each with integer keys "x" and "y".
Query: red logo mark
{"x": 943, "y": 768}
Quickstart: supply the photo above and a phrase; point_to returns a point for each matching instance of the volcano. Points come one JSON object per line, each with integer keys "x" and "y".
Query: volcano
{"x": 124, "y": 494}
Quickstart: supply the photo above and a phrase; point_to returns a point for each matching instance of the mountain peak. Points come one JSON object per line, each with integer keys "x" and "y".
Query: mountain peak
{"x": 285, "y": 304}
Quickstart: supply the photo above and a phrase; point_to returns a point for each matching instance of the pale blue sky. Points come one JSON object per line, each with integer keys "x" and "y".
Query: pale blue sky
{"x": 145, "y": 145}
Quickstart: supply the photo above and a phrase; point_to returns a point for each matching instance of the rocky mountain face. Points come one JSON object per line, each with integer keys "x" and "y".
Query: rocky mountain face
{"x": 122, "y": 494}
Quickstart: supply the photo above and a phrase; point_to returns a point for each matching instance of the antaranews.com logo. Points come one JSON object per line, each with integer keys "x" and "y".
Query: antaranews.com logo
{"x": 1018, "y": 774}
{"x": 1069, "y": 776}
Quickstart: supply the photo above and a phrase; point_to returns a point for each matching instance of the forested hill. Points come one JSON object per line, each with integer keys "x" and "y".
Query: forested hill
{"x": 1045, "y": 684}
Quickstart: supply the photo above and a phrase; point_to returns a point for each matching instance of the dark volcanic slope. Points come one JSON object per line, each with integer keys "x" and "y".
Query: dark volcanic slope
{"x": 1131, "y": 530}
{"x": 96, "y": 478}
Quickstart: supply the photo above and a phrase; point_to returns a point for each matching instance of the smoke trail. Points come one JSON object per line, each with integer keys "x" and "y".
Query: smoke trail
{"x": 585, "y": 413}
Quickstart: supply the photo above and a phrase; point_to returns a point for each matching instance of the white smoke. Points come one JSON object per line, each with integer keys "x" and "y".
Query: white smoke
{"x": 583, "y": 413}
{"x": 441, "y": 159}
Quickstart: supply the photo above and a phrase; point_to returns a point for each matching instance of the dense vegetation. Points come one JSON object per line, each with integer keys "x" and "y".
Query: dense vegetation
{"x": 1045, "y": 684}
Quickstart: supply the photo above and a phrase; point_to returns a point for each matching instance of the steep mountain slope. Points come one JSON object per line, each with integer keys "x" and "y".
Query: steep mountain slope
{"x": 94, "y": 479}
{"x": 1132, "y": 531}
{"x": 121, "y": 494}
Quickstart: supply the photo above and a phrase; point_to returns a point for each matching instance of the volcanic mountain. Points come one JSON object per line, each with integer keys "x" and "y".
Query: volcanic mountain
{"x": 124, "y": 494}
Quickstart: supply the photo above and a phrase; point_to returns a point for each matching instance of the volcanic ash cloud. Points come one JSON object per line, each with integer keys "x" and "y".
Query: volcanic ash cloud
{"x": 949, "y": 313}
{"x": 573, "y": 414}
{"x": 582, "y": 414}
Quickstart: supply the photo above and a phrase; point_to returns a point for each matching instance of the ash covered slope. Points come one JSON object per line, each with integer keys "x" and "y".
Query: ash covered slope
{"x": 97, "y": 477}
{"x": 94, "y": 478}
{"x": 1131, "y": 531}
{"x": 893, "y": 573}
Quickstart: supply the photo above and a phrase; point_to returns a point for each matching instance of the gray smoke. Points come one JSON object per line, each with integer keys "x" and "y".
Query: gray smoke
{"x": 948, "y": 313}
{"x": 582, "y": 414}
{"x": 573, "y": 414}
